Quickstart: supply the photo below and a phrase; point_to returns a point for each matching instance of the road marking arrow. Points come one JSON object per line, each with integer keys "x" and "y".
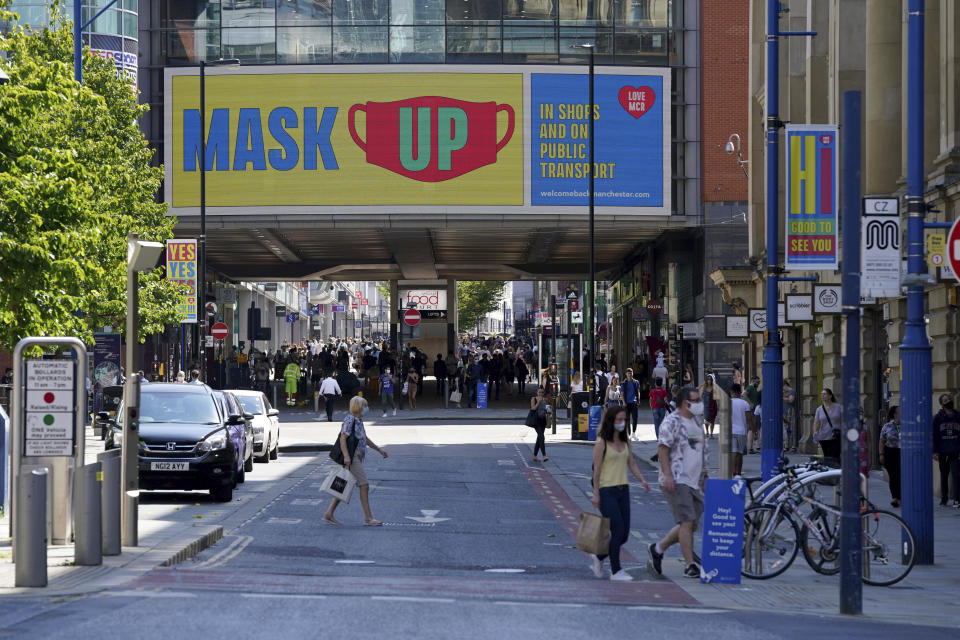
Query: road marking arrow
{"x": 429, "y": 516}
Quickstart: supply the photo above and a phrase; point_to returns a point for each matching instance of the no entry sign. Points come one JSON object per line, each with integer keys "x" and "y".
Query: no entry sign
{"x": 953, "y": 249}
{"x": 411, "y": 317}
{"x": 219, "y": 330}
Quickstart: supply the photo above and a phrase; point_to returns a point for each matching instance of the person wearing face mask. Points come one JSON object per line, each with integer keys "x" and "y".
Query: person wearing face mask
{"x": 946, "y": 448}
{"x": 353, "y": 424}
{"x": 611, "y": 493}
{"x": 386, "y": 392}
{"x": 890, "y": 453}
{"x": 683, "y": 473}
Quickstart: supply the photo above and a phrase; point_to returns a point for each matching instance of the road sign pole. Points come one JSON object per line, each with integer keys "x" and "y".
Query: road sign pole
{"x": 851, "y": 588}
{"x": 915, "y": 352}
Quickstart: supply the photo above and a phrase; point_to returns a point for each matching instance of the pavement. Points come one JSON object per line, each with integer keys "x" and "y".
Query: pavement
{"x": 477, "y": 542}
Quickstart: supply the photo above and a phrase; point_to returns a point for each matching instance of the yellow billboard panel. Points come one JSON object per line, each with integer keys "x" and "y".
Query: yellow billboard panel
{"x": 328, "y": 139}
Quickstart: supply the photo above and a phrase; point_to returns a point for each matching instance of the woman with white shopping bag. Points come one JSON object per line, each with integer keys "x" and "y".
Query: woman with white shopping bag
{"x": 353, "y": 425}
{"x": 611, "y": 493}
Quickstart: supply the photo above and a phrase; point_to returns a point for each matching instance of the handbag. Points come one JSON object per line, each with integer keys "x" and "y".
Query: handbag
{"x": 531, "y": 420}
{"x": 593, "y": 535}
{"x": 339, "y": 483}
{"x": 405, "y": 389}
{"x": 455, "y": 395}
{"x": 336, "y": 453}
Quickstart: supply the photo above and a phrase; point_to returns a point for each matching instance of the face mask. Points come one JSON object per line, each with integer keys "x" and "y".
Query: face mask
{"x": 696, "y": 408}
{"x": 948, "y": 405}
{"x": 619, "y": 426}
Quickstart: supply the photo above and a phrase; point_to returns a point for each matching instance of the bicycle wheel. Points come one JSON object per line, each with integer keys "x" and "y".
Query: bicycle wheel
{"x": 822, "y": 556}
{"x": 889, "y": 551}
{"x": 769, "y": 542}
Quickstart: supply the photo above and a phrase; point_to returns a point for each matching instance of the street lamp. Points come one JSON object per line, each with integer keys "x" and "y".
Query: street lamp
{"x": 202, "y": 276}
{"x": 142, "y": 255}
{"x": 591, "y": 303}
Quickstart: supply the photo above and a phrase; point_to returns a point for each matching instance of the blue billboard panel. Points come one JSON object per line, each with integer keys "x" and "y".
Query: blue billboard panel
{"x": 632, "y": 140}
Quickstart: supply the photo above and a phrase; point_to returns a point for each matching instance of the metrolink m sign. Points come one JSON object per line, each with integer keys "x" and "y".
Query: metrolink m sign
{"x": 418, "y": 139}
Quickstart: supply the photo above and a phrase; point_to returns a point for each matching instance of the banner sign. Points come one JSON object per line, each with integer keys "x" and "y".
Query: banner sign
{"x": 799, "y": 308}
{"x": 738, "y": 327}
{"x": 722, "y": 551}
{"x": 106, "y": 359}
{"x": 812, "y": 177}
{"x": 481, "y": 395}
{"x": 422, "y": 139}
{"x": 182, "y": 268}
{"x": 424, "y": 299}
{"x": 880, "y": 248}
{"x": 827, "y": 298}
{"x": 594, "y": 416}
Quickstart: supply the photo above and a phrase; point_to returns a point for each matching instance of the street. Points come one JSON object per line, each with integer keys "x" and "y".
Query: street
{"x": 477, "y": 542}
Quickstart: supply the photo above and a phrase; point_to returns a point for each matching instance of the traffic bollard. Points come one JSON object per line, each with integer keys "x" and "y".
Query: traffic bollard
{"x": 30, "y": 530}
{"x": 130, "y": 531}
{"x": 316, "y": 402}
{"x": 87, "y": 526}
{"x": 110, "y": 502}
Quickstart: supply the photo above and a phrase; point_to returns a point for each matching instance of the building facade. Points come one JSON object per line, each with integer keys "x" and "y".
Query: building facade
{"x": 860, "y": 46}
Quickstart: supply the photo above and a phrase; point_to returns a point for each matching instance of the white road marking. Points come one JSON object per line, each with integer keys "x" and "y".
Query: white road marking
{"x": 429, "y": 517}
{"x": 223, "y": 557}
{"x": 312, "y": 502}
{"x": 411, "y": 599}
{"x": 506, "y": 463}
{"x": 284, "y": 521}
{"x": 677, "y": 609}
{"x": 505, "y": 570}
{"x": 148, "y": 593}
{"x": 285, "y": 595}
{"x": 354, "y": 562}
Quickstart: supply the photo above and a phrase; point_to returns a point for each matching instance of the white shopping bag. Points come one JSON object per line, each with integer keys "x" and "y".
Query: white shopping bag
{"x": 339, "y": 483}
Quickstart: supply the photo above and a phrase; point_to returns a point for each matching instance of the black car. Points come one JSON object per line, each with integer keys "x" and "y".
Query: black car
{"x": 187, "y": 441}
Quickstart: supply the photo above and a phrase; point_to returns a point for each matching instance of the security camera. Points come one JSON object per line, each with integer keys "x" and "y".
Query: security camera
{"x": 730, "y": 148}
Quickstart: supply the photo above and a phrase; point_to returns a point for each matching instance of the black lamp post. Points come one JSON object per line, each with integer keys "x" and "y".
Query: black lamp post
{"x": 592, "y": 294}
{"x": 202, "y": 276}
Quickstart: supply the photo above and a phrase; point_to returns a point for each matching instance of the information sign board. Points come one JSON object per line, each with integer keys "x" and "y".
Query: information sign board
{"x": 722, "y": 551}
{"x": 49, "y": 418}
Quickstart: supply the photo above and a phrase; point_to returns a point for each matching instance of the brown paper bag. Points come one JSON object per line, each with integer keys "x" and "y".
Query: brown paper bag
{"x": 593, "y": 536}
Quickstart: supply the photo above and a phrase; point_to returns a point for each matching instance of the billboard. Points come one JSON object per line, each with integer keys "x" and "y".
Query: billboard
{"x": 182, "y": 268}
{"x": 428, "y": 139}
{"x": 811, "y": 197}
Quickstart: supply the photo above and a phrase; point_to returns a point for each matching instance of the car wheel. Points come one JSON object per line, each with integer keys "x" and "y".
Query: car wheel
{"x": 266, "y": 452}
{"x": 241, "y": 476}
{"x": 222, "y": 494}
{"x": 276, "y": 450}
{"x": 248, "y": 463}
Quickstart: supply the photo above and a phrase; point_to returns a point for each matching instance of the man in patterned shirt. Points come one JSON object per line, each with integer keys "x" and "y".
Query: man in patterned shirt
{"x": 683, "y": 471}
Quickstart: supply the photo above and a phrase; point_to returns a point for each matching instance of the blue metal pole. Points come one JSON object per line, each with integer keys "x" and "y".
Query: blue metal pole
{"x": 77, "y": 40}
{"x": 851, "y": 588}
{"x": 915, "y": 356}
{"x": 772, "y": 370}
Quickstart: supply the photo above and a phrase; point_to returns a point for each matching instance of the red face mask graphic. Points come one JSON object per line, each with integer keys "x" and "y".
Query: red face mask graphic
{"x": 431, "y": 138}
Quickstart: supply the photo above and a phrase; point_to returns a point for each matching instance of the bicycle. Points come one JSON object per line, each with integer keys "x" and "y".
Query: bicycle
{"x": 772, "y": 539}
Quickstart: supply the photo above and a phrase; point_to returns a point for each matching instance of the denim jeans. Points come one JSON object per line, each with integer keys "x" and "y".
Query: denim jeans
{"x": 387, "y": 398}
{"x": 632, "y": 416}
{"x": 615, "y": 504}
{"x": 658, "y": 416}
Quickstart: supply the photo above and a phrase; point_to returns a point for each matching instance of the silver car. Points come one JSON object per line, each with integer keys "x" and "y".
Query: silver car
{"x": 266, "y": 423}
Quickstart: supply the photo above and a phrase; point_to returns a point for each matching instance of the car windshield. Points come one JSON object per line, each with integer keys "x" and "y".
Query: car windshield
{"x": 252, "y": 404}
{"x": 176, "y": 407}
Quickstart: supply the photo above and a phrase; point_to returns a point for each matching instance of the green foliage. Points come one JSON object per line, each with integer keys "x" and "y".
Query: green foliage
{"x": 476, "y": 299}
{"x": 383, "y": 286}
{"x": 75, "y": 179}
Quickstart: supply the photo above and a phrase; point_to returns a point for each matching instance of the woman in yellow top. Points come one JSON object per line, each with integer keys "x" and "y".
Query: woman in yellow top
{"x": 611, "y": 493}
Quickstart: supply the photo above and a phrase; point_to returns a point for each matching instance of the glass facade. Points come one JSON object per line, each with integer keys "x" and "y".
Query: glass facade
{"x": 632, "y": 32}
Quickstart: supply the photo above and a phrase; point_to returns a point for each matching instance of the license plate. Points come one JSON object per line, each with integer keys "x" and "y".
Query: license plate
{"x": 169, "y": 466}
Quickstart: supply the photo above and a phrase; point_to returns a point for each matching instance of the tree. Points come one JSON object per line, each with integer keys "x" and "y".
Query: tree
{"x": 75, "y": 179}
{"x": 476, "y": 299}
